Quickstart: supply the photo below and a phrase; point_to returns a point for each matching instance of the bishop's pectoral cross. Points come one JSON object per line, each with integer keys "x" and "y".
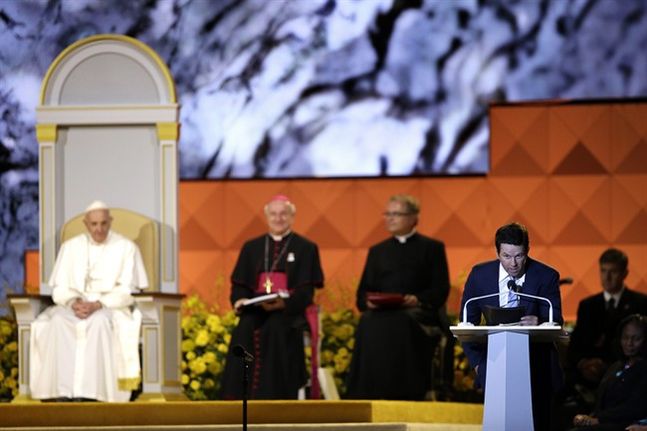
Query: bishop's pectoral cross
{"x": 268, "y": 284}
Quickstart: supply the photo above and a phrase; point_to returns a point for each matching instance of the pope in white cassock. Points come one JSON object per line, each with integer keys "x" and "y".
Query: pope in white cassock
{"x": 86, "y": 345}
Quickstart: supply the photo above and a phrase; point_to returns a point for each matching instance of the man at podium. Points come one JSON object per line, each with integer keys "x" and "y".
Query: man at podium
{"x": 514, "y": 271}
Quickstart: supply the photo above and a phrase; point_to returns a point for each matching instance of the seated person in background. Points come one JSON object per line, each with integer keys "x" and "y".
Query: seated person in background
{"x": 590, "y": 350}
{"x": 86, "y": 345}
{"x": 622, "y": 396}
{"x": 272, "y": 332}
{"x": 535, "y": 278}
{"x": 393, "y": 351}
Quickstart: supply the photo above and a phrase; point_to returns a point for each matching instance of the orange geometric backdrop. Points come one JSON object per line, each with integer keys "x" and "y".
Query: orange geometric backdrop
{"x": 574, "y": 173}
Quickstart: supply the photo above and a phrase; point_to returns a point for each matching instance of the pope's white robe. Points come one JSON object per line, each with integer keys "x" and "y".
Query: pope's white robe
{"x": 97, "y": 357}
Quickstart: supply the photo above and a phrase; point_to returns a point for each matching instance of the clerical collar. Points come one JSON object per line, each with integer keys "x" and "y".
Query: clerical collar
{"x": 403, "y": 238}
{"x": 278, "y": 238}
{"x": 615, "y": 296}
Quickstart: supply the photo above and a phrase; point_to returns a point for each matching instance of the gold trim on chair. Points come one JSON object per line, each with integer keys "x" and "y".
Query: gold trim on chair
{"x": 168, "y": 131}
{"x": 46, "y": 133}
{"x": 101, "y": 37}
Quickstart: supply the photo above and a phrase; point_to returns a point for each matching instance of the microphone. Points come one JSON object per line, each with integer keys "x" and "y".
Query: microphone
{"x": 240, "y": 351}
{"x": 514, "y": 287}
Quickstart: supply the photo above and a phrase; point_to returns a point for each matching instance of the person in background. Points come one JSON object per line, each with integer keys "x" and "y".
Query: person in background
{"x": 278, "y": 261}
{"x": 536, "y": 278}
{"x": 591, "y": 350}
{"x": 86, "y": 347}
{"x": 622, "y": 396}
{"x": 393, "y": 348}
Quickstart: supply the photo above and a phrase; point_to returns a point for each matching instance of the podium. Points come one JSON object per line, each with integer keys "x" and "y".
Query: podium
{"x": 508, "y": 399}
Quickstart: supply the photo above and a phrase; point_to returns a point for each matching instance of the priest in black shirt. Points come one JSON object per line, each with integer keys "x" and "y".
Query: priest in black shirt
{"x": 279, "y": 261}
{"x": 401, "y": 295}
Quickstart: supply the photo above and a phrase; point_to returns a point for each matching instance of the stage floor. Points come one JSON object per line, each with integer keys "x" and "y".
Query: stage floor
{"x": 262, "y": 415}
{"x": 270, "y": 427}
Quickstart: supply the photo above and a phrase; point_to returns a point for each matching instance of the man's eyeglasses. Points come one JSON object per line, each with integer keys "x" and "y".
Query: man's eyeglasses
{"x": 395, "y": 214}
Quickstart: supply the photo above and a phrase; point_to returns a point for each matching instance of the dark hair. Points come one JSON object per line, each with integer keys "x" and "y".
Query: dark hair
{"x": 514, "y": 234}
{"x": 615, "y": 256}
{"x": 641, "y": 322}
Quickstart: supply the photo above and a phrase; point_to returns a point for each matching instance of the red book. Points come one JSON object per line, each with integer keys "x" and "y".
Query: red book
{"x": 385, "y": 299}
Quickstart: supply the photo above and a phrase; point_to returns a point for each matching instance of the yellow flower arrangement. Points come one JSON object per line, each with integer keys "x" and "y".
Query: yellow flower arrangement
{"x": 206, "y": 336}
{"x": 205, "y": 341}
{"x": 463, "y": 374}
{"x": 8, "y": 359}
{"x": 337, "y": 343}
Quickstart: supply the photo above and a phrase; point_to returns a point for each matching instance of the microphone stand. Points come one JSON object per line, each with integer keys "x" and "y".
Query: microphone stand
{"x": 247, "y": 358}
{"x": 245, "y": 384}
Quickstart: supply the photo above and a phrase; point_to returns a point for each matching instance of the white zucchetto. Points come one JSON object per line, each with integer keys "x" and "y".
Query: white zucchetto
{"x": 96, "y": 205}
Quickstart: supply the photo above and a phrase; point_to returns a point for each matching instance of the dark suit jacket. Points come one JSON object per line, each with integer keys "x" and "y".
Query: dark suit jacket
{"x": 595, "y": 334}
{"x": 622, "y": 394}
{"x": 541, "y": 280}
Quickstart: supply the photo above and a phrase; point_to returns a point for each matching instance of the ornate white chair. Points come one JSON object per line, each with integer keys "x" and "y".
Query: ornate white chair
{"x": 107, "y": 127}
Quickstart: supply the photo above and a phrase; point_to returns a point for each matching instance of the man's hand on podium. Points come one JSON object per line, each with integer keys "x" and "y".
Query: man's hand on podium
{"x": 529, "y": 320}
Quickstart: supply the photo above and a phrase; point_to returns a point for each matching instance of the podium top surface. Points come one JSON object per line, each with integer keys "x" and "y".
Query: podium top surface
{"x": 535, "y": 333}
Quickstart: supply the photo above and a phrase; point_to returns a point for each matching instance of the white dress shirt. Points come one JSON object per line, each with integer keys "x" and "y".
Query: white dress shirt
{"x": 507, "y": 298}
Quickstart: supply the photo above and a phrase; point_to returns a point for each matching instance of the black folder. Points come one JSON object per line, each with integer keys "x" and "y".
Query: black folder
{"x": 501, "y": 316}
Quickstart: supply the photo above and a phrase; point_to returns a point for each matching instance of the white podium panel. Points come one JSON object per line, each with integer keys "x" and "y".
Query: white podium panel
{"x": 508, "y": 391}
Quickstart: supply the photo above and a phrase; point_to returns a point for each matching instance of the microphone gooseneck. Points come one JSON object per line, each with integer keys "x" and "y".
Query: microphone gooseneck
{"x": 476, "y": 298}
{"x": 515, "y": 288}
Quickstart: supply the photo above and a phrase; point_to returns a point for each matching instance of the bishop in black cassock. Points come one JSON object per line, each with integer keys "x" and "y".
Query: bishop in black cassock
{"x": 393, "y": 347}
{"x": 272, "y": 332}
